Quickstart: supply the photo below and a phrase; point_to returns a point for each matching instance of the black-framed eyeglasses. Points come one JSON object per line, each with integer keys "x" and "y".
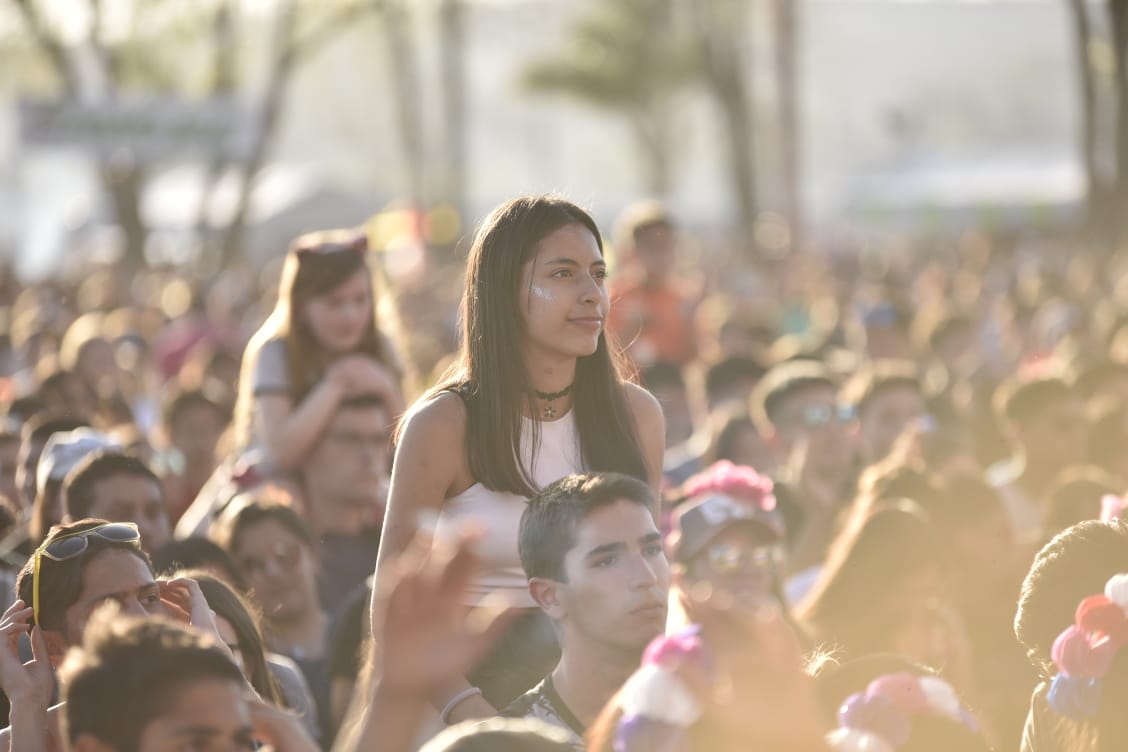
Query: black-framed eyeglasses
{"x": 73, "y": 545}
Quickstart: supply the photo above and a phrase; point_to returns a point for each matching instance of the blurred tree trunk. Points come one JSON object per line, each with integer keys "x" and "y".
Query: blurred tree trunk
{"x": 787, "y": 54}
{"x": 655, "y": 148}
{"x": 1095, "y": 211}
{"x": 406, "y": 95}
{"x": 452, "y": 49}
{"x": 723, "y": 29}
{"x": 1118, "y": 198}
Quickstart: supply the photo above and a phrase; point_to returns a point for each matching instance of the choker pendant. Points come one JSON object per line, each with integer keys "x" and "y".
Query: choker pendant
{"x": 549, "y": 411}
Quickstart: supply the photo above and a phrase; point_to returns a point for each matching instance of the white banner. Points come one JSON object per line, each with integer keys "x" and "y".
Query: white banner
{"x": 148, "y": 129}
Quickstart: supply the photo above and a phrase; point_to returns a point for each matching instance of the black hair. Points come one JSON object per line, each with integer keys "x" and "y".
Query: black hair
{"x": 550, "y": 519}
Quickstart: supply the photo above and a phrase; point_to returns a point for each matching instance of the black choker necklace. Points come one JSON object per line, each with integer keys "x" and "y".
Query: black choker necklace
{"x": 550, "y": 397}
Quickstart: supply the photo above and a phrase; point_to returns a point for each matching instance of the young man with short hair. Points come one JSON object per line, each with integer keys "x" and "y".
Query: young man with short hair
{"x": 149, "y": 685}
{"x": 597, "y": 568}
{"x": 887, "y": 396}
{"x": 1044, "y": 420}
{"x": 796, "y": 408}
{"x": 344, "y": 481}
{"x": 114, "y": 486}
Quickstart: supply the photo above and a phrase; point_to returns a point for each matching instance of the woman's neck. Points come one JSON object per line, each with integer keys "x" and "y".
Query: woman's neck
{"x": 549, "y": 375}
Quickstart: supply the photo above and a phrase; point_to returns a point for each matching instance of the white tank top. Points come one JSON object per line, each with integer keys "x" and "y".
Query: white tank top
{"x": 497, "y": 515}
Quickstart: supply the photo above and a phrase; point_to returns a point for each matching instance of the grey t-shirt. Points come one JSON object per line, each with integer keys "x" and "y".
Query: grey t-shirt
{"x": 271, "y": 374}
{"x": 543, "y": 703}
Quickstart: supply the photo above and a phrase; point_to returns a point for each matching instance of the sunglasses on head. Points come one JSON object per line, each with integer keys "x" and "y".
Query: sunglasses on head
{"x": 323, "y": 245}
{"x": 73, "y": 545}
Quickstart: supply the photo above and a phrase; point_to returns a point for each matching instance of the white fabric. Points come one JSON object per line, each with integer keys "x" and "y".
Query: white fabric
{"x": 497, "y": 516}
{"x": 855, "y": 740}
{"x": 654, "y": 692}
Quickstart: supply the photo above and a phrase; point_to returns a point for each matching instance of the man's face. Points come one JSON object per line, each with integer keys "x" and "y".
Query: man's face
{"x": 886, "y": 415}
{"x": 812, "y": 416}
{"x": 196, "y": 431}
{"x": 136, "y": 499}
{"x": 1056, "y": 435}
{"x": 655, "y": 248}
{"x": 207, "y": 715}
{"x": 350, "y": 462}
{"x": 280, "y": 569}
{"x": 742, "y": 560}
{"x": 618, "y": 579}
{"x": 113, "y": 574}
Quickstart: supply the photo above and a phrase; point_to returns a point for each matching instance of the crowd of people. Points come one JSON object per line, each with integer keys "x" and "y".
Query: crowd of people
{"x": 631, "y": 495}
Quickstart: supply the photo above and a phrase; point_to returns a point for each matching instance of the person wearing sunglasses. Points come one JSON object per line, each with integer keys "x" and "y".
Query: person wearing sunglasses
{"x": 79, "y": 567}
{"x": 729, "y": 534}
{"x": 813, "y": 437}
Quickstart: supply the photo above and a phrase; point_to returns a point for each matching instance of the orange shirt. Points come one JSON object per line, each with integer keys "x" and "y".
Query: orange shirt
{"x": 653, "y": 324}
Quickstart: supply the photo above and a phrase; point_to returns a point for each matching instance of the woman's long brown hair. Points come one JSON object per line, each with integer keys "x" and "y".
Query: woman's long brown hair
{"x": 490, "y": 372}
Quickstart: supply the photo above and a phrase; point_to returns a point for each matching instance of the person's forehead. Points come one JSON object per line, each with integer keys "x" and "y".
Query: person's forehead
{"x": 215, "y": 705}
{"x": 264, "y": 535}
{"x": 746, "y": 535}
{"x": 114, "y": 570}
{"x": 809, "y": 394}
{"x": 621, "y": 520}
{"x": 126, "y": 487}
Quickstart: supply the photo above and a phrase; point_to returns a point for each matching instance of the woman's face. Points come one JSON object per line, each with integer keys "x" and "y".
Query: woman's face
{"x": 231, "y": 640}
{"x": 339, "y": 319}
{"x": 563, "y": 296}
{"x": 280, "y": 570}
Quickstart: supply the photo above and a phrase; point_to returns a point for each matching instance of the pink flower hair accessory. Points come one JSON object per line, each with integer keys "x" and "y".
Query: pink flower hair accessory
{"x": 880, "y": 719}
{"x": 1085, "y": 650}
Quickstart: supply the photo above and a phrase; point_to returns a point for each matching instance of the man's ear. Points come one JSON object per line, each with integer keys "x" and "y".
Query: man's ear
{"x": 547, "y": 594}
{"x": 90, "y": 743}
{"x": 57, "y": 646}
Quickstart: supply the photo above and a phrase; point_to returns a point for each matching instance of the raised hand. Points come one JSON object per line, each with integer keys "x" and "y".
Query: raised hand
{"x": 29, "y": 684}
{"x": 423, "y": 632}
{"x": 184, "y": 601}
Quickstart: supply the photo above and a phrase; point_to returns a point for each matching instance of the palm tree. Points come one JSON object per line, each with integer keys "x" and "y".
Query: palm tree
{"x": 624, "y": 56}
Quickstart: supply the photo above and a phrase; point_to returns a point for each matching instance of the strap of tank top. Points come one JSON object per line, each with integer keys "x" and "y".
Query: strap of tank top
{"x": 462, "y": 390}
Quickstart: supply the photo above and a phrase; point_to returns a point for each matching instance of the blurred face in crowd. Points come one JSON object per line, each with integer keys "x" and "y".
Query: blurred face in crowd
{"x": 339, "y": 319}
{"x": 617, "y": 581}
{"x": 349, "y": 464}
{"x": 888, "y": 341}
{"x": 747, "y": 447}
{"x": 811, "y": 419}
{"x": 9, "y": 463}
{"x": 204, "y": 715}
{"x": 985, "y": 560}
{"x": 563, "y": 295}
{"x": 655, "y": 248}
{"x": 743, "y": 560}
{"x": 674, "y": 399}
{"x": 1055, "y": 435}
{"x": 137, "y": 499}
{"x": 95, "y": 365}
{"x": 280, "y": 569}
{"x": 885, "y": 416}
{"x": 196, "y": 431}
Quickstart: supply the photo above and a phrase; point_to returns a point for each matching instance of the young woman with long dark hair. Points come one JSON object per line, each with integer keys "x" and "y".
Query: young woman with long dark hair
{"x": 536, "y": 393}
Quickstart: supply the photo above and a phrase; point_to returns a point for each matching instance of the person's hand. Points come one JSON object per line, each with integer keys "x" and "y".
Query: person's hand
{"x": 360, "y": 374}
{"x": 423, "y": 632}
{"x": 28, "y": 683}
{"x": 185, "y": 602}
{"x": 281, "y": 730}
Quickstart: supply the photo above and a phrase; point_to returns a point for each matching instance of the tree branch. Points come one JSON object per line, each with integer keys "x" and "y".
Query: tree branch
{"x": 51, "y": 46}
{"x": 314, "y": 40}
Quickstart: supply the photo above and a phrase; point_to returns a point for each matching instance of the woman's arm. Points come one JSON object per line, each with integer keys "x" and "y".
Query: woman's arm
{"x": 289, "y": 433}
{"x": 651, "y": 428}
{"x": 429, "y": 467}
